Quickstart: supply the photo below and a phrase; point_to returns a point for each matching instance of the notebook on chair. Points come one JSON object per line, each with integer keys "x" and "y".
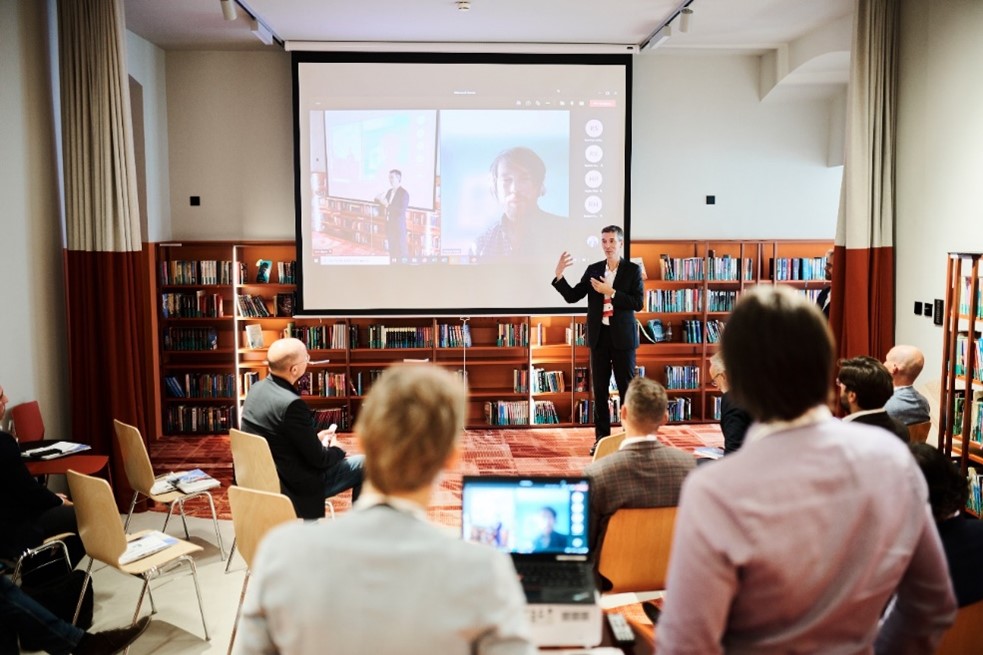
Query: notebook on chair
{"x": 542, "y": 523}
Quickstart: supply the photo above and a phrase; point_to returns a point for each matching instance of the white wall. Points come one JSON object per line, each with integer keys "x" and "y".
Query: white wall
{"x": 699, "y": 129}
{"x": 230, "y": 136}
{"x": 939, "y": 158}
{"x": 33, "y": 348}
{"x": 145, "y": 63}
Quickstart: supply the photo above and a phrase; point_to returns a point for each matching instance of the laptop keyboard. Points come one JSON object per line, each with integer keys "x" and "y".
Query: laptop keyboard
{"x": 544, "y": 575}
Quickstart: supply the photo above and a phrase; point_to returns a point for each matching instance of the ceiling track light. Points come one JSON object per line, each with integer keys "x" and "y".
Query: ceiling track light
{"x": 684, "y": 19}
{"x": 228, "y": 9}
{"x": 463, "y": 5}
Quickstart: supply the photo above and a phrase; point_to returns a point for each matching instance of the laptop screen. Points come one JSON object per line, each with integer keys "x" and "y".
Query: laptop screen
{"x": 526, "y": 515}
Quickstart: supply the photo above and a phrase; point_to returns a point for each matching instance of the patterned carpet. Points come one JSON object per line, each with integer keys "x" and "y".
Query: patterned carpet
{"x": 540, "y": 451}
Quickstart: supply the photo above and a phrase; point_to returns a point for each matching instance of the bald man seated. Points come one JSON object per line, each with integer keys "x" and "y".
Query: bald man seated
{"x": 310, "y": 464}
{"x": 904, "y": 363}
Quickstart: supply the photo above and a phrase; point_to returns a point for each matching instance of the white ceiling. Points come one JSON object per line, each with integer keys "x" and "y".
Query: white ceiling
{"x": 750, "y": 26}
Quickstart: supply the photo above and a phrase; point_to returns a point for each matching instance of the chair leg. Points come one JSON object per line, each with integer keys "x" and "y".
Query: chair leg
{"x": 153, "y": 605}
{"x": 170, "y": 510}
{"x": 232, "y": 552}
{"x": 136, "y": 612}
{"x": 242, "y": 596}
{"x": 184, "y": 518}
{"x": 133, "y": 504}
{"x": 201, "y": 606}
{"x": 218, "y": 535}
{"x": 85, "y": 583}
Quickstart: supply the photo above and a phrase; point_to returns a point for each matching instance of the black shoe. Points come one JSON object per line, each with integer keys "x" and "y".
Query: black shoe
{"x": 108, "y": 642}
{"x": 651, "y": 611}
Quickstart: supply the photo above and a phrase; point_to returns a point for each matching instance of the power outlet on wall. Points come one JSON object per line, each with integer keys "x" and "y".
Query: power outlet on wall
{"x": 918, "y": 308}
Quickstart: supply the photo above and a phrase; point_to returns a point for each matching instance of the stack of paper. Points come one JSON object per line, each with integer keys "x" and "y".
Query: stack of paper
{"x": 148, "y": 544}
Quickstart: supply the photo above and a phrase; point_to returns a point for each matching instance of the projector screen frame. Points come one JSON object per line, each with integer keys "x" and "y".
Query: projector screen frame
{"x": 574, "y": 273}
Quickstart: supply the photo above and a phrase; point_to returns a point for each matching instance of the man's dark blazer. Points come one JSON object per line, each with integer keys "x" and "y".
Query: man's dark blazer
{"x": 962, "y": 540}
{"x": 821, "y": 301}
{"x": 882, "y": 420}
{"x": 734, "y": 422}
{"x": 275, "y": 411}
{"x": 627, "y": 300}
{"x": 399, "y": 202}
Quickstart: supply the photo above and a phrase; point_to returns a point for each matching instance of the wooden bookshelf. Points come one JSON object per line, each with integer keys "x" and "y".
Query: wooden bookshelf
{"x": 521, "y": 370}
{"x": 961, "y": 406}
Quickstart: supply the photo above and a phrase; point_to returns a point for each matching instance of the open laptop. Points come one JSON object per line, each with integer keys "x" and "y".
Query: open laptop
{"x": 542, "y": 522}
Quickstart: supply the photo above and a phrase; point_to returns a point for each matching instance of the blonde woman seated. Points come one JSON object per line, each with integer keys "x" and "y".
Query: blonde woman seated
{"x": 382, "y": 579}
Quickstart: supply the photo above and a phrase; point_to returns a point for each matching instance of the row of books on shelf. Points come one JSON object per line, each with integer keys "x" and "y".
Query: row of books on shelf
{"x": 721, "y": 269}
{"x": 512, "y": 335}
{"x": 962, "y": 348}
{"x": 544, "y": 381}
{"x": 975, "y": 501}
{"x": 680, "y": 409}
{"x": 454, "y": 336}
{"x": 693, "y": 331}
{"x": 516, "y": 412}
{"x": 206, "y": 271}
{"x": 685, "y": 376}
{"x": 583, "y": 411}
{"x": 200, "y": 385}
{"x": 325, "y": 384}
{"x": 323, "y": 337}
{"x": 200, "y": 304}
{"x": 190, "y": 338}
{"x": 716, "y": 408}
{"x": 251, "y": 306}
{"x": 576, "y": 335}
{"x": 612, "y": 384}
{"x": 325, "y": 417}
{"x": 264, "y": 269}
{"x": 182, "y": 419}
{"x": 382, "y": 336}
{"x": 673, "y": 300}
{"x": 798, "y": 268}
{"x": 975, "y": 417}
{"x": 966, "y": 296}
{"x": 544, "y": 413}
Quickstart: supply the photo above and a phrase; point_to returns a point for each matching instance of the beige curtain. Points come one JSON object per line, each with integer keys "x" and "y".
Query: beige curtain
{"x": 862, "y": 305}
{"x": 101, "y": 206}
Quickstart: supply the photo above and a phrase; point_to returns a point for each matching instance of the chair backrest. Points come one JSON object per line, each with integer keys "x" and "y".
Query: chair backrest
{"x": 28, "y": 424}
{"x": 608, "y": 445}
{"x": 918, "y": 432}
{"x": 136, "y": 461}
{"x": 252, "y": 462}
{"x": 635, "y": 552}
{"x": 254, "y": 513}
{"x": 966, "y": 634}
{"x": 99, "y": 523}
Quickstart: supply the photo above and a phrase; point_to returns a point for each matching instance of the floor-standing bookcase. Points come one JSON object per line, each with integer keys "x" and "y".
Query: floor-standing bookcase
{"x": 960, "y": 415}
{"x": 521, "y": 370}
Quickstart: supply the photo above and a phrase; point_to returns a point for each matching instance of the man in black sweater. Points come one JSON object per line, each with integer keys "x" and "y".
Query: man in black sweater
{"x": 310, "y": 464}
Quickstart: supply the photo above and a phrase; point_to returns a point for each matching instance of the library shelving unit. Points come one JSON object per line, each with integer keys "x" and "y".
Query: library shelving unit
{"x": 690, "y": 289}
{"x": 960, "y": 415}
{"x": 521, "y": 370}
{"x": 196, "y": 336}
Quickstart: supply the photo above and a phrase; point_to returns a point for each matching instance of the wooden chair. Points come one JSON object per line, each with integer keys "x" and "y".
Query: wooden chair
{"x": 966, "y": 634}
{"x": 140, "y": 474}
{"x": 254, "y": 513}
{"x": 918, "y": 432}
{"x": 608, "y": 445}
{"x": 28, "y": 422}
{"x": 105, "y": 540}
{"x": 635, "y": 552}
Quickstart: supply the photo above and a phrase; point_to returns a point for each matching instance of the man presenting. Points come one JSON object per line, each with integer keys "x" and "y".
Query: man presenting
{"x": 310, "y": 464}
{"x": 614, "y": 293}
{"x": 822, "y": 300}
{"x": 396, "y": 201}
{"x": 904, "y": 363}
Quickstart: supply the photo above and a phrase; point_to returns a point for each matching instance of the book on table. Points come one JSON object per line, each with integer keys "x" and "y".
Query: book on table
{"x": 188, "y": 482}
{"x": 145, "y": 546}
{"x": 55, "y": 450}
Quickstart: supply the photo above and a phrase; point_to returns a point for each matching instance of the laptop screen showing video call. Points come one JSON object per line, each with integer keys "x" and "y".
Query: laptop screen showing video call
{"x": 531, "y": 515}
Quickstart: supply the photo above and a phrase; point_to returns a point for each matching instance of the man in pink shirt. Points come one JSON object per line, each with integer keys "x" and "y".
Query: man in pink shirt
{"x": 798, "y": 542}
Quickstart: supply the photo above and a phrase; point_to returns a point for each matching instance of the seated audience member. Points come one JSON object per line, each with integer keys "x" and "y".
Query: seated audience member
{"x": 865, "y": 385}
{"x": 310, "y": 464}
{"x": 29, "y": 511}
{"x": 734, "y": 421}
{"x": 905, "y": 363}
{"x": 23, "y": 617}
{"x": 962, "y": 535}
{"x": 382, "y": 579}
{"x": 644, "y": 472}
{"x": 796, "y": 545}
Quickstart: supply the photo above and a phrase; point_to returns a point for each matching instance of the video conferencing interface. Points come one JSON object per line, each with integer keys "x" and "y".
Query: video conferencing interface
{"x": 438, "y": 185}
{"x": 526, "y": 516}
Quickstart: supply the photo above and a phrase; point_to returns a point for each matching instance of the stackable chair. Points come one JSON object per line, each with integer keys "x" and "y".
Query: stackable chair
{"x": 254, "y": 513}
{"x": 608, "y": 445}
{"x": 105, "y": 540}
{"x": 918, "y": 432}
{"x": 140, "y": 474}
{"x": 28, "y": 423}
{"x": 635, "y": 551}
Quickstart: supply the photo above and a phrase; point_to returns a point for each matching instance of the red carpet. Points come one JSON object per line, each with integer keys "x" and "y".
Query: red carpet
{"x": 540, "y": 451}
